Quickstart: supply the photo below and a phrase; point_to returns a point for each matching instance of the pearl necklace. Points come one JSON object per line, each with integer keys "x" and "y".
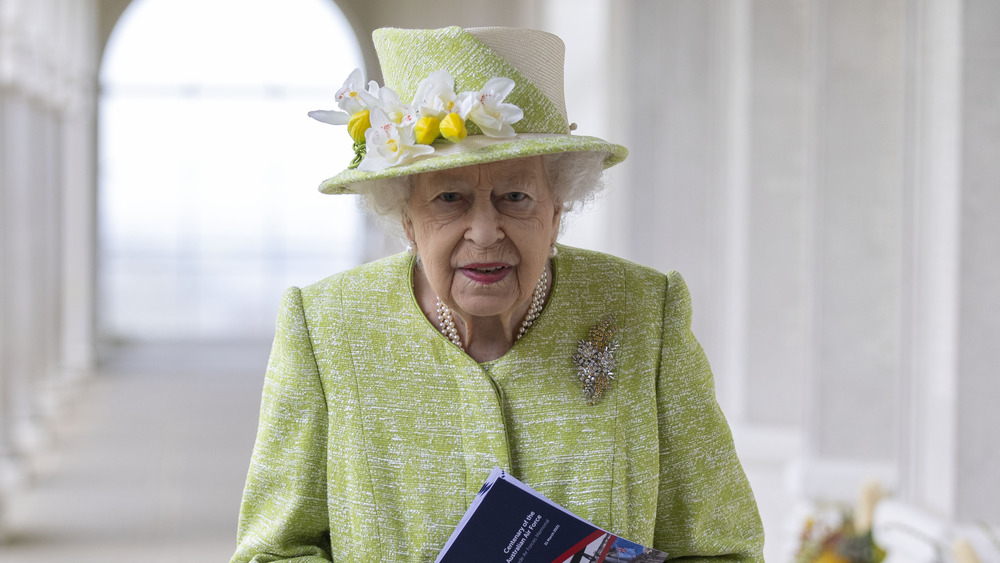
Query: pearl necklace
{"x": 447, "y": 321}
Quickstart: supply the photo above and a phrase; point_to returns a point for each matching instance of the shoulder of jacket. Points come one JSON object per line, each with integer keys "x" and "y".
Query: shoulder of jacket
{"x": 363, "y": 274}
{"x": 606, "y": 269}
{"x": 384, "y": 271}
{"x": 593, "y": 260}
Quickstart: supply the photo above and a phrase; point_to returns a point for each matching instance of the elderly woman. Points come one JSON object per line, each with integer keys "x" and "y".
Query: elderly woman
{"x": 394, "y": 388}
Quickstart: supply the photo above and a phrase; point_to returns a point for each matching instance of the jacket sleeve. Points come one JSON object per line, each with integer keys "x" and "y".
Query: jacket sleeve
{"x": 284, "y": 512}
{"x": 706, "y": 510}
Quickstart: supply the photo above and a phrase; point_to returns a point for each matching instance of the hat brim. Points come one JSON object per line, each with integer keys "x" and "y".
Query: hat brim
{"x": 479, "y": 149}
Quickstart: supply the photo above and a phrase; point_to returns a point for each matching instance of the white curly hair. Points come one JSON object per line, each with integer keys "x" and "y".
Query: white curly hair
{"x": 575, "y": 179}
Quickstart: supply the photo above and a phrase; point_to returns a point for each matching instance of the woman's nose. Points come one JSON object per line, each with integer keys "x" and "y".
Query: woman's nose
{"x": 484, "y": 223}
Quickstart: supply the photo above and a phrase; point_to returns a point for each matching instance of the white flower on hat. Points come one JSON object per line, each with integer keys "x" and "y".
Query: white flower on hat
{"x": 436, "y": 96}
{"x": 490, "y": 112}
{"x": 398, "y": 112}
{"x": 389, "y": 144}
{"x": 352, "y": 98}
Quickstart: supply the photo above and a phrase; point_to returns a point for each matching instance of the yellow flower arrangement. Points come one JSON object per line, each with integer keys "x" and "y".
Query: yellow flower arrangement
{"x": 388, "y": 132}
{"x": 836, "y": 535}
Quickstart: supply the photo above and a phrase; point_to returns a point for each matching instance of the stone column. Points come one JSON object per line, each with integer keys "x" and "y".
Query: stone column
{"x": 19, "y": 296}
{"x": 47, "y": 180}
{"x": 856, "y": 245}
{"x": 9, "y": 47}
{"x": 977, "y": 493}
{"x": 79, "y": 191}
{"x": 951, "y": 457}
{"x": 778, "y": 228}
{"x": 927, "y": 390}
{"x": 717, "y": 117}
{"x": 7, "y": 462}
{"x": 32, "y": 224}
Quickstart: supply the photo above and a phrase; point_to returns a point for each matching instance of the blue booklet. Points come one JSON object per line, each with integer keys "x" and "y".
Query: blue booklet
{"x": 509, "y": 522}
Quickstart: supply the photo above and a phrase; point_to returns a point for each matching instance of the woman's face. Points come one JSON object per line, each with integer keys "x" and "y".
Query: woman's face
{"x": 483, "y": 233}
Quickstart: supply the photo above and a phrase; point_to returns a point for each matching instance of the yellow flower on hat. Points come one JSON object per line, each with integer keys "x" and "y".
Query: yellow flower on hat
{"x": 453, "y": 128}
{"x": 358, "y": 125}
{"x": 427, "y": 129}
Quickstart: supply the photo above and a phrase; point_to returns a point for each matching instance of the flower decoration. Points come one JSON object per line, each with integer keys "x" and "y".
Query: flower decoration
{"x": 491, "y": 113}
{"x": 595, "y": 359}
{"x": 835, "y": 534}
{"x": 398, "y": 112}
{"x": 389, "y": 133}
{"x": 443, "y": 111}
{"x": 389, "y": 144}
{"x": 352, "y": 99}
{"x": 836, "y": 540}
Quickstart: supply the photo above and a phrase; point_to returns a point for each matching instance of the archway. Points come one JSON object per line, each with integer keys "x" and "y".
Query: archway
{"x": 207, "y": 206}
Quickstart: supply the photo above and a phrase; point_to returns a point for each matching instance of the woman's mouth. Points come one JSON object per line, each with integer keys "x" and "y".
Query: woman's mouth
{"x": 486, "y": 273}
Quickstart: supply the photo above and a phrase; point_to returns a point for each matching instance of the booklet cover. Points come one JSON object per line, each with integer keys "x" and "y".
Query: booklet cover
{"x": 509, "y": 522}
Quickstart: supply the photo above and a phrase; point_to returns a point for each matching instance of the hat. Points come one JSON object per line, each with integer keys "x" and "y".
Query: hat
{"x": 457, "y": 97}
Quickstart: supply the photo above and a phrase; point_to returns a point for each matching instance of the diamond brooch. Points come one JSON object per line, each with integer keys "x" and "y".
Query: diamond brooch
{"x": 595, "y": 359}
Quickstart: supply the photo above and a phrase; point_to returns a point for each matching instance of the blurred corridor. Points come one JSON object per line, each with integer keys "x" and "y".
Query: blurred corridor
{"x": 148, "y": 462}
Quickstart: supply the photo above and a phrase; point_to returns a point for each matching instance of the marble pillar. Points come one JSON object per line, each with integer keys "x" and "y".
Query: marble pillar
{"x": 927, "y": 390}
{"x": 855, "y": 245}
{"x": 8, "y": 462}
{"x": 45, "y": 48}
{"x": 778, "y": 227}
{"x": 978, "y": 388}
{"x": 950, "y": 457}
{"x": 717, "y": 185}
{"x": 78, "y": 189}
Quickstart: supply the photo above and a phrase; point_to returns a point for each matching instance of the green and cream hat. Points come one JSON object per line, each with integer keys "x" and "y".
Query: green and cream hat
{"x": 456, "y": 97}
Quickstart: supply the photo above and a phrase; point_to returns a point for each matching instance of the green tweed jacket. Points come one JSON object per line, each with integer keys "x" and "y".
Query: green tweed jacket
{"x": 376, "y": 432}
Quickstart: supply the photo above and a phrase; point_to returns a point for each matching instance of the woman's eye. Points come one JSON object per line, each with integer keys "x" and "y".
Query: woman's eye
{"x": 516, "y": 196}
{"x": 449, "y": 197}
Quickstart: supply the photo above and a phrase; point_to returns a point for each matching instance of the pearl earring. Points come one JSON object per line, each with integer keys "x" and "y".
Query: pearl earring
{"x": 553, "y": 251}
{"x": 411, "y": 247}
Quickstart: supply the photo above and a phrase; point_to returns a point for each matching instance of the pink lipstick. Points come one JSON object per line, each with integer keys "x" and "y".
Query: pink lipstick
{"x": 486, "y": 273}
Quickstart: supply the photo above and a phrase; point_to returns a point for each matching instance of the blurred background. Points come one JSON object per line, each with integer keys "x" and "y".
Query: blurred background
{"x": 825, "y": 174}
